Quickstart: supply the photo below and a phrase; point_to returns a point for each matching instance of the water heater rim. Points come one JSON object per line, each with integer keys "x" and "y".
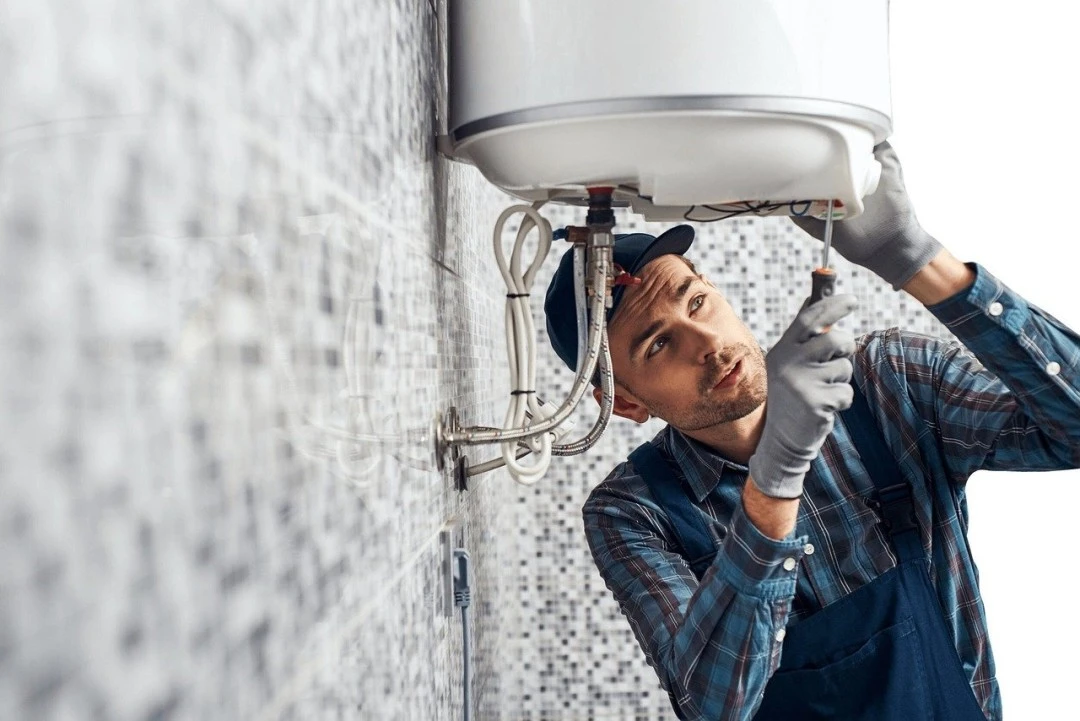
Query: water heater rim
{"x": 875, "y": 120}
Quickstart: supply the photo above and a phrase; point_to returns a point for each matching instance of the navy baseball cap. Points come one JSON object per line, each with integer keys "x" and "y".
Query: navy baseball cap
{"x": 633, "y": 251}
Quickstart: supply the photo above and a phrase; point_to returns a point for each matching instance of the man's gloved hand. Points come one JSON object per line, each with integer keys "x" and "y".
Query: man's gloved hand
{"x": 886, "y": 238}
{"x": 809, "y": 379}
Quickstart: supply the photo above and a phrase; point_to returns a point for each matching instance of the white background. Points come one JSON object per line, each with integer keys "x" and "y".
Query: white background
{"x": 984, "y": 112}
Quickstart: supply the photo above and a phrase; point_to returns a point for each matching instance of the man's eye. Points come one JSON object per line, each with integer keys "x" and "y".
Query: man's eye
{"x": 656, "y": 347}
{"x": 697, "y": 302}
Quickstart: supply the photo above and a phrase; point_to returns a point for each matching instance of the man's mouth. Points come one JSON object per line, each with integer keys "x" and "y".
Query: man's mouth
{"x": 731, "y": 376}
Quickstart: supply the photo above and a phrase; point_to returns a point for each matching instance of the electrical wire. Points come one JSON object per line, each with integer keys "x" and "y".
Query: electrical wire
{"x": 466, "y": 671}
{"x": 763, "y": 208}
{"x": 804, "y": 211}
{"x": 731, "y": 210}
{"x": 462, "y": 600}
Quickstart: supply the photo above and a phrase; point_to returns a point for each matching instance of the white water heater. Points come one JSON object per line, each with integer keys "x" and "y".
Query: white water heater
{"x": 690, "y": 109}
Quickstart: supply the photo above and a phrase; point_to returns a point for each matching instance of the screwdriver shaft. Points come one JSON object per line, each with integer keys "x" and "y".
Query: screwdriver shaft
{"x": 828, "y": 236}
{"x": 824, "y": 279}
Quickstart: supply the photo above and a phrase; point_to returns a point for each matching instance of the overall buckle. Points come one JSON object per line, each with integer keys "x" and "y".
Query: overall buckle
{"x": 897, "y": 508}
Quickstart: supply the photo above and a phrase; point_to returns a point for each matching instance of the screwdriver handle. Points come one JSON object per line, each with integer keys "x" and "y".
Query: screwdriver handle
{"x": 824, "y": 284}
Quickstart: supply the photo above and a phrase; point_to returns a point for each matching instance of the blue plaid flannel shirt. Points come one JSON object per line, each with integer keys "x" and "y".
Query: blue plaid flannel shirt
{"x": 1009, "y": 401}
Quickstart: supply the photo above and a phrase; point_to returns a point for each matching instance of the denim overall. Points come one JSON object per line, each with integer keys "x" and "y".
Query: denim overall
{"x": 881, "y": 653}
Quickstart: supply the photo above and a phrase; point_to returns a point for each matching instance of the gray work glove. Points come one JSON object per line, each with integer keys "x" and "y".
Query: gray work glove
{"x": 886, "y": 238}
{"x": 809, "y": 379}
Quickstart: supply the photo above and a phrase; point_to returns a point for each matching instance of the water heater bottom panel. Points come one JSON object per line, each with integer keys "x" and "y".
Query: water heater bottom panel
{"x": 683, "y": 158}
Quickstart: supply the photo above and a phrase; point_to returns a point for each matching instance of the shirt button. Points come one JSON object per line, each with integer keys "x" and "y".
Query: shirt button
{"x": 789, "y": 564}
{"x": 1053, "y": 368}
{"x": 780, "y": 634}
{"x": 808, "y": 549}
{"x": 996, "y": 309}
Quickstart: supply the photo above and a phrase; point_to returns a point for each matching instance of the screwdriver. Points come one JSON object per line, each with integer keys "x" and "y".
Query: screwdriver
{"x": 824, "y": 278}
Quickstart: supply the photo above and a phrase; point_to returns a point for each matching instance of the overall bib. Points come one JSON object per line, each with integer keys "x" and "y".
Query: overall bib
{"x": 881, "y": 653}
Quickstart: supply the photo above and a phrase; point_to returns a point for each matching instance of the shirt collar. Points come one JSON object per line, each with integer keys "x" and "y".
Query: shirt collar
{"x": 701, "y": 465}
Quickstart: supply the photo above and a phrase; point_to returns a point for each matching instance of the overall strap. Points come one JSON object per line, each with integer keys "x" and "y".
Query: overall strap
{"x": 690, "y": 528}
{"x": 894, "y": 493}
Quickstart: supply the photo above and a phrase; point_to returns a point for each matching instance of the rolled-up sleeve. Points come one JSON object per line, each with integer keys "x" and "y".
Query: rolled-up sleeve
{"x": 714, "y": 645}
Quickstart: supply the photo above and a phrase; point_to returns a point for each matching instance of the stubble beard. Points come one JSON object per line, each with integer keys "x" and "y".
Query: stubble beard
{"x": 706, "y": 412}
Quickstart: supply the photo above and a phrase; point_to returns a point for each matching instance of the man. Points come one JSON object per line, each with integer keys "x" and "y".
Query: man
{"x": 793, "y": 545}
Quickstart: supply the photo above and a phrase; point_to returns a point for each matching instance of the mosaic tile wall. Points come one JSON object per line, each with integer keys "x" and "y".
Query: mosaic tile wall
{"x": 236, "y": 284}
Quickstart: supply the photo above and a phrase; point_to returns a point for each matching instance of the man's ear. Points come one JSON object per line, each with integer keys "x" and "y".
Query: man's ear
{"x": 626, "y": 406}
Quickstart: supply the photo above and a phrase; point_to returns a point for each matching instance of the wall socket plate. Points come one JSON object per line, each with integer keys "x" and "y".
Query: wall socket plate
{"x": 451, "y": 537}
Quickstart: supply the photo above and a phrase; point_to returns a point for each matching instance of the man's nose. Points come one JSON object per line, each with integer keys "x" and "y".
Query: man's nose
{"x": 706, "y": 342}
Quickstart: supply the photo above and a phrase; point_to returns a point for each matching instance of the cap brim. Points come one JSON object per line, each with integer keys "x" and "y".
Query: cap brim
{"x": 675, "y": 240}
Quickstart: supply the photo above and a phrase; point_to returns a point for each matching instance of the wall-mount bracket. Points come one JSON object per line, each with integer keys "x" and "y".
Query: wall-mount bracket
{"x": 444, "y": 425}
{"x": 450, "y": 453}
